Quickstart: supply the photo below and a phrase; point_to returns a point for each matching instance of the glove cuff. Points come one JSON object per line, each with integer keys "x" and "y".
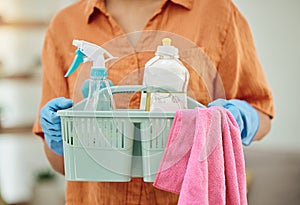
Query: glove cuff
{"x": 252, "y": 124}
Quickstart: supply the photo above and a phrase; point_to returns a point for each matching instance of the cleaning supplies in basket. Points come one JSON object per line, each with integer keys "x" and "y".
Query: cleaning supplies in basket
{"x": 99, "y": 96}
{"x": 98, "y": 79}
{"x": 166, "y": 79}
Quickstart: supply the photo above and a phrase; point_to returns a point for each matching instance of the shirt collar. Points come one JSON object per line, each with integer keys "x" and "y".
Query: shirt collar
{"x": 91, "y": 5}
{"x": 185, "y": 3}
{"x": 100, "y": 4}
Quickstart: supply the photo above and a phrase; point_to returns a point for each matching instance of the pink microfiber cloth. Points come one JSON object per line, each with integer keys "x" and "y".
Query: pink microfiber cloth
{"x": 203, "y": 161}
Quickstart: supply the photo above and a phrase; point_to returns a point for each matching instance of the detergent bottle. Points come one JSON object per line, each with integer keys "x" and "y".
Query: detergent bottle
{"x": 166, "y": 80}
{"x": 99, "y": 95}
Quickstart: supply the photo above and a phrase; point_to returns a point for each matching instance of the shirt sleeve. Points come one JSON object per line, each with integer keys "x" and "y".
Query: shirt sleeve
{"x": 53, "y": 82}
{"x": 239, "y": 68}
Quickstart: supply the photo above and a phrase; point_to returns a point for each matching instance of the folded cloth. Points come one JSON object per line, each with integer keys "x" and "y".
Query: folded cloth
{"x": 203, "y": 161}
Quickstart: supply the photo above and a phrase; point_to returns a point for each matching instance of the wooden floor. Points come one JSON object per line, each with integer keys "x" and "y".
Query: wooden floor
{"x": 275, "y": 177}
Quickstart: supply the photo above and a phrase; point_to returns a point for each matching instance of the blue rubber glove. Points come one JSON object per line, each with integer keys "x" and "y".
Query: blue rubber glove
{"x": 50, "y": 123}
{"x": 245, "y": 115}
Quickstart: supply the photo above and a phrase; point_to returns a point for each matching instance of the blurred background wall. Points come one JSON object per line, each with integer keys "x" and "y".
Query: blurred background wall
{"x": 276, "y": 29}
{"x": 273, "y": 162}
{"x": 25, "y": 174}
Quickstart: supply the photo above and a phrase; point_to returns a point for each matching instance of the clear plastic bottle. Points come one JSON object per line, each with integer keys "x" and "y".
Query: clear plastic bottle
{"x": 86, "y": 85}
{"x": 100, "y": 96}
{"x": 167, "y": 72}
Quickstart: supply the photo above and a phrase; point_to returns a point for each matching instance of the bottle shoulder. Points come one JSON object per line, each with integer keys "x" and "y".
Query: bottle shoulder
{"x": 172, "y": 64}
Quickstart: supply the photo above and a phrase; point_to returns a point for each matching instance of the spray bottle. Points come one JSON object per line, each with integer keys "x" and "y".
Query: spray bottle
{"x": 167, "y": 72}
{"x": 98, "y": 76}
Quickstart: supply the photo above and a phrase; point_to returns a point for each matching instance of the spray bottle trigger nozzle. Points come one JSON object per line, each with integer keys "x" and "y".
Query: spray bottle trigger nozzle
{"x": 79, "y": 58}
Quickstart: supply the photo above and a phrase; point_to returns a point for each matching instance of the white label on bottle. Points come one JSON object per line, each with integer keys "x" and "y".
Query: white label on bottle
{"x": 168, "y": 102}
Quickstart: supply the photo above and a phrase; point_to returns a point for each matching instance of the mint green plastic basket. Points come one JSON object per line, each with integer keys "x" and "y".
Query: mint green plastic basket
{"x": 114, "y": 145}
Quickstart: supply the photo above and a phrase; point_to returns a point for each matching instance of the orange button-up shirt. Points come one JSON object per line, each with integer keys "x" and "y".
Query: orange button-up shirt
{"x": 214, "y": 41}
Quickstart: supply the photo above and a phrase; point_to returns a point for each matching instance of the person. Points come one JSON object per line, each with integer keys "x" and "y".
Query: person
{"x": 217, "y": 27}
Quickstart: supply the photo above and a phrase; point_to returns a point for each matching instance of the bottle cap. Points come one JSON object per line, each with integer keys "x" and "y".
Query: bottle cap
{"x": 167, "y": 49}
{"x": 166, "y": 41}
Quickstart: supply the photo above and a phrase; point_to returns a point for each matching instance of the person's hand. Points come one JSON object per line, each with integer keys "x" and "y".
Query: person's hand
{"x": 50, "y": 122}
{"x": 245, "y": 115}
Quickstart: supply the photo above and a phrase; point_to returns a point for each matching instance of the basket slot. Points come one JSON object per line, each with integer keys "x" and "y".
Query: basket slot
{"x": 70, "y": 130}
{"x": 115, "y": 135}
{"x": 120, "y": 134}
{"x": 67, "y": 130}
{"x": 63, "y": 128}
{"x": 86, "y": 133}
{"x": 108, "y": 137}
{"x": 152, "y": 135}
{"x": 81, "y": 128}
{"x": 103, "y": 133}
{"x": 122, "y": 138}
{"x": 155, "y": 133}
{"x": 158, "y": 135}
{"x": 166, "y": 131}
{"x": 93, "y": 138}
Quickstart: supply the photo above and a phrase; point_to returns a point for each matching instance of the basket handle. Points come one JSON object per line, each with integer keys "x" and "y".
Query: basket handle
{"x": 140, "y": 88}
{"x": 127, "y": 89}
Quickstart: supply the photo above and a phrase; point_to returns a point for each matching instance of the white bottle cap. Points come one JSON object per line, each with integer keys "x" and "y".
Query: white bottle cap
{"x": 167, "y": 49}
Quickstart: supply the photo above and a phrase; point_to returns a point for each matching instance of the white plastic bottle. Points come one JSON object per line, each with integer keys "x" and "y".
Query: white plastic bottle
{"x": 166, "y": 72}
